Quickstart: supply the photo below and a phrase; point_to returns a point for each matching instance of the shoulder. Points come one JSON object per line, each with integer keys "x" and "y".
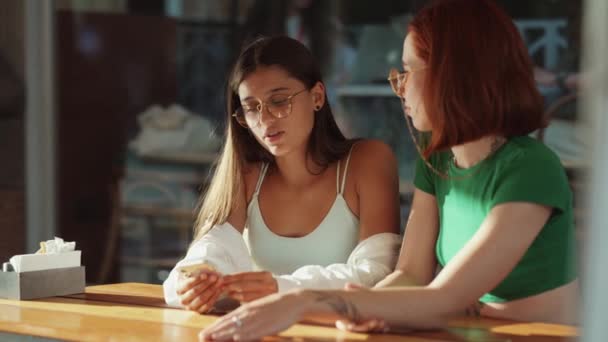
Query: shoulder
{"x": 370, "y": 150}
{"x": 528, "y": 171}
{"x": 372, "y": 159}
{"x": 529, "y": 153}
{"x": 528, "y": 162}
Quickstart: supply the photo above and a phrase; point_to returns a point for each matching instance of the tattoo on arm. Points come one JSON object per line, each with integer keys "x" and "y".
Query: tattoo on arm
{"x": 340, "y": 305}
{"x": 474, "y": 309}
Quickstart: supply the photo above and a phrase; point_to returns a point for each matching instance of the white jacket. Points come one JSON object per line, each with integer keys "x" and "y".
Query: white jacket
{"x": 223, "y": 246}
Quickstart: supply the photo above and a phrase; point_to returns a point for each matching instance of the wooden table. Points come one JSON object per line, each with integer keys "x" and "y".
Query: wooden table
{"x": 136, "y": 312}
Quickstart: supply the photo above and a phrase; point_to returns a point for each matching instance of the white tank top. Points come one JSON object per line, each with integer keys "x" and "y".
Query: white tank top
{"x": 330, "y": 243}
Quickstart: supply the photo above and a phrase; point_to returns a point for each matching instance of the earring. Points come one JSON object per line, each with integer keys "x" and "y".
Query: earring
{"x": 317, "y": 108}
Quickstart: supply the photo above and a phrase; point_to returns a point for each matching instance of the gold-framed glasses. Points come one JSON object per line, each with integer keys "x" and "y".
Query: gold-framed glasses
{"x": 398, "y": 80}
{"x": 278, "y": 105}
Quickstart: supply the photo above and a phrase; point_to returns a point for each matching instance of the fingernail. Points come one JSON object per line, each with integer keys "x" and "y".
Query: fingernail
{"x": 203, "y": 276}
{"x": 238, "y": 297}
{"x": 213, "y": 278}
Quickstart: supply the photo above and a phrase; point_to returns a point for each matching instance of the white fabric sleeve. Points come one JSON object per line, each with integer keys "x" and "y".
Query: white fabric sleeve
{"x": 371, "y": 260}
{"x": 223, "y": 247}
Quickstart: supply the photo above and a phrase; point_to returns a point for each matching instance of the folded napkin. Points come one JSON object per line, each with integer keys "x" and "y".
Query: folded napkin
{"x": 52, "y": 254}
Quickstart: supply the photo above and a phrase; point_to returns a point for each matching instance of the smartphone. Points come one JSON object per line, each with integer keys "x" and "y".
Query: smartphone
{"x": 195, "y": 269}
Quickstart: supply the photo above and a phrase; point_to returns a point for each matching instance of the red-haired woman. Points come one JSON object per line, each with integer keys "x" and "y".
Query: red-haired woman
{"x": 492, "y": 206}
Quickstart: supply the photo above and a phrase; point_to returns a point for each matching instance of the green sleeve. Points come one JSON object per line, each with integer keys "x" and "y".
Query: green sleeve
{"x": 423, "y": 177}
{"x": 535, "y": 178}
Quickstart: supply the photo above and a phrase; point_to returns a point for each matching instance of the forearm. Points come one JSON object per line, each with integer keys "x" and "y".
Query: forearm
{"x": 398, "y": 278}
{"x": 400, "y": 307}
{"x": 333, "y": 277}
{"x": 370, "y": 262}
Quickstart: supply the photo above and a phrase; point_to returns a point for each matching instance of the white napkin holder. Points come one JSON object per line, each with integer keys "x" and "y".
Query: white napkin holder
{"x": 43, "y": 275}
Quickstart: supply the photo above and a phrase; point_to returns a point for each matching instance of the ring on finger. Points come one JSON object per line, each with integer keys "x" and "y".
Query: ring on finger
{"x": 237, "y": 321}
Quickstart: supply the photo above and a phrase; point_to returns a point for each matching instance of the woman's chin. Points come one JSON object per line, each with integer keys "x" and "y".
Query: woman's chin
{"x": 420, "y": 125}
{"x": 277, "y": 151}
{"x": 424, "y": 130}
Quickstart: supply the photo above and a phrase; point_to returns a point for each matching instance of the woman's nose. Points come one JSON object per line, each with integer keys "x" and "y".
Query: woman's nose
{"x": 266, "y": 115}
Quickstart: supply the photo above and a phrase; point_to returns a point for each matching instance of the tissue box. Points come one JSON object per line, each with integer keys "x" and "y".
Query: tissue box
{"x": 39, "y": 262}
{"x": 44, "y": 283}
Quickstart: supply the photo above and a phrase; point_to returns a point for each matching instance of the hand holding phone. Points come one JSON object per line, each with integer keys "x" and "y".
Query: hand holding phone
{"x": 195, "y": 269}
{"x": 199, "y": 286}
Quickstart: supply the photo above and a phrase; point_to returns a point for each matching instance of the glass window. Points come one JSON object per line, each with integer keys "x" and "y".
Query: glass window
{"x": 140, "y": 104}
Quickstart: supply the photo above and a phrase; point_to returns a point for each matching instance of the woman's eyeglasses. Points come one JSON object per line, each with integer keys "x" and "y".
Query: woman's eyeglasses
{"x": 278, "y": 105}
{"x": 398, "y": 80}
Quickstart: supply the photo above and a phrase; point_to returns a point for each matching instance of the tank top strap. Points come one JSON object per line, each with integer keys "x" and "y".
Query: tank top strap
{"x": 341, "y": 188}
{"x": 260, "y": 179}
{"x": 338, "y": 179}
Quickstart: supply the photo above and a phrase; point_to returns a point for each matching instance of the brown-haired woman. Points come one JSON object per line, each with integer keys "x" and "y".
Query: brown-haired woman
{"x": 292, "y": 203}
{"x": 492, "y": 206}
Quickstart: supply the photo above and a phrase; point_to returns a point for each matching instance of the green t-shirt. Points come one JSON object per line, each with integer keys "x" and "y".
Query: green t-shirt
{"x": 522, "y": 170}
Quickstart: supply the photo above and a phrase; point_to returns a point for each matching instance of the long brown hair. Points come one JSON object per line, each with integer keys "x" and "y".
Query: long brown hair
{"x": 326, "y": 143}
{"x": 479, "y": 74}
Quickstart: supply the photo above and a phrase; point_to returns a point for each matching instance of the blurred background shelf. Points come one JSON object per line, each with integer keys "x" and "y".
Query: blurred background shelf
{"x": 366, "y": 90}
{"x": 180, "y": 157}
{"x": 146, "y": 262}
{"x": 156, "y": 211}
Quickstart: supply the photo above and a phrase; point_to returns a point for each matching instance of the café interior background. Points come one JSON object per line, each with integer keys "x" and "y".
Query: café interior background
{"x": 134, "y": 109}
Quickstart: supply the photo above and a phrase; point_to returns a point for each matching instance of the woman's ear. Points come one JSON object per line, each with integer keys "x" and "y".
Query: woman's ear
{"x": 318, "y": 96}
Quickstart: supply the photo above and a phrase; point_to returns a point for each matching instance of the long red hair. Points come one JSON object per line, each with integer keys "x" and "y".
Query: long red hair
{"x": 479, "y": 78}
